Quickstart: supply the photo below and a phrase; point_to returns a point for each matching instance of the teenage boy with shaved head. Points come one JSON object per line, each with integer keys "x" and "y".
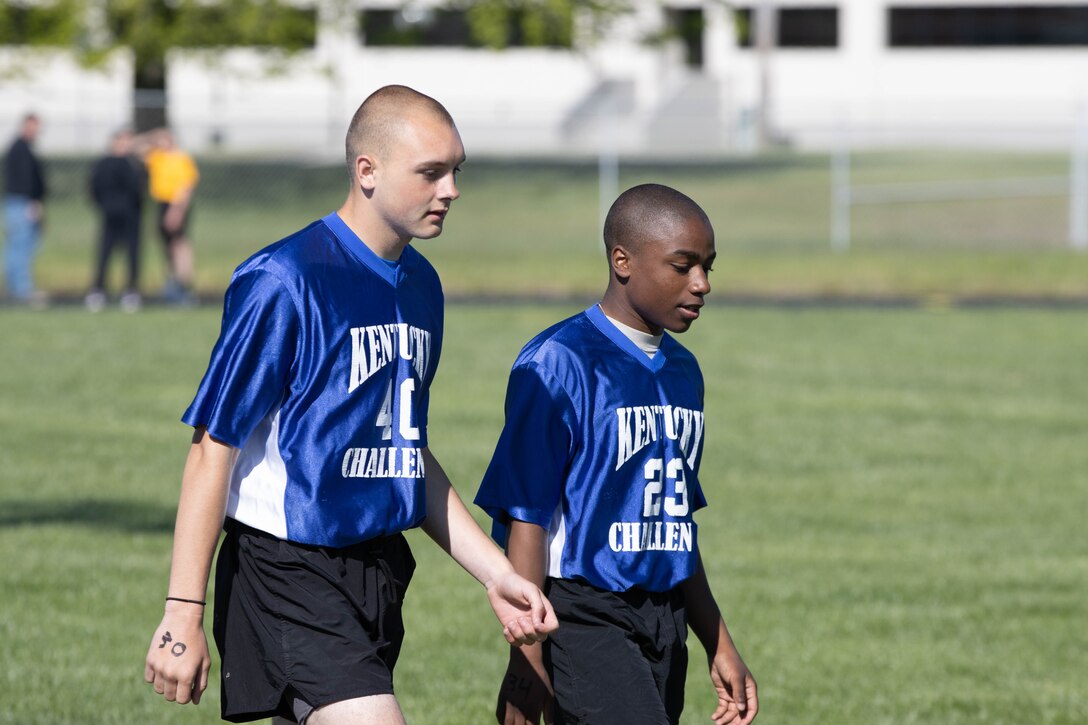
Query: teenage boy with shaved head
{"x": 594, "y": 483}
{"x": 310, "y": 450}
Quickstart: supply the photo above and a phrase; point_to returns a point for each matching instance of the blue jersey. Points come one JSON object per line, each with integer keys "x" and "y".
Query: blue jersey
{"x": 601, "y": 447}
{"x": 320, "y": 377}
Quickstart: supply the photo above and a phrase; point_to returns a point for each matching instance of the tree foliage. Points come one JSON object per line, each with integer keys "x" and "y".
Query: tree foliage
{"x": 56, "y": 24}
{"x": 151, "y": 27}
{"x": 502, "y": 23}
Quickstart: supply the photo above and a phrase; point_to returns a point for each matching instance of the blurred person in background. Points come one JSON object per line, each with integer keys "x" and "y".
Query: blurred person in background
{"x": 116, "y": 185}
{"x": 172, "y": 178}
{"x": 24, "y": 194}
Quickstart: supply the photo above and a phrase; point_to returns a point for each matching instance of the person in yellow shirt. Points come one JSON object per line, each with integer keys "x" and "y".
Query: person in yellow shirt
{"x": 172, "y": 178}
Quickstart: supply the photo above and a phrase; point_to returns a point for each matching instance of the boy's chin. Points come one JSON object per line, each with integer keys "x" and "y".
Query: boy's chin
{"x": 429, "y": 232}
{"x": 680, "y": 326}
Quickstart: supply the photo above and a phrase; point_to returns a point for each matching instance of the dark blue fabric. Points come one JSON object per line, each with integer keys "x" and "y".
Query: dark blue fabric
{"x": 325, "y": 360}
{"x": 601, "y": 446}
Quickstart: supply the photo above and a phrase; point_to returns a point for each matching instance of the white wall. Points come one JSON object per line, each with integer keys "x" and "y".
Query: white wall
{"x": 918, "y": 96}
{"x": 79, "y": 108}
{"x": 503, "y": 102}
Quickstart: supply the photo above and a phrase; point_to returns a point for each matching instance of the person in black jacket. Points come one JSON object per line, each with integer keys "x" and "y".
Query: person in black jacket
{"x": 24, "y": 192}
{"x": 117, "y": 182}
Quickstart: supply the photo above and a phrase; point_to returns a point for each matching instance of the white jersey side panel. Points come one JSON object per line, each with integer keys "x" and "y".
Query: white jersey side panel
{"x": 259, "y": 481}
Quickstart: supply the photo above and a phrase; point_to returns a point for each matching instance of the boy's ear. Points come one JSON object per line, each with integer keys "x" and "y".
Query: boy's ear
{"x": 620, "y": 259}
{"x": 366, "y": 172}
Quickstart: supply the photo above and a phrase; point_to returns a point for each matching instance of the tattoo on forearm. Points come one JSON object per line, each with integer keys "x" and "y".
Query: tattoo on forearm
{"x": 515, "y": 683}
{"x": 179, "y": 647}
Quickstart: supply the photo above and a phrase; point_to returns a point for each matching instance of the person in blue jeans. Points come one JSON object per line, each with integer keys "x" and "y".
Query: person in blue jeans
{"x": 24, "y": 192}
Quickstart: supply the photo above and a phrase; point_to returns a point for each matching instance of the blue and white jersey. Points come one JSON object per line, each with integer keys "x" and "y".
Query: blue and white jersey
{"x": 320, "y": 377}
{"x": 601, "y": 447}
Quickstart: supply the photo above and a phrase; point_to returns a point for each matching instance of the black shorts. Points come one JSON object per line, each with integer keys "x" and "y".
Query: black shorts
{"x": 306, "y": 625}
{"x": 617, "y": 657}
{"x": 170, "y": 236}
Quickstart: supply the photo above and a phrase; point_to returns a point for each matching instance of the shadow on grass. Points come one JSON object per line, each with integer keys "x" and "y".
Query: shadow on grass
{"x": 130, "y": 516}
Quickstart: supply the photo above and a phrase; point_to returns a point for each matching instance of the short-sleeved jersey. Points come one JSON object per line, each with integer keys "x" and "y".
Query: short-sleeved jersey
{"x": 169, "y": 172}
{"x": 601, "y": 447}
{"x": 320, "y": 377}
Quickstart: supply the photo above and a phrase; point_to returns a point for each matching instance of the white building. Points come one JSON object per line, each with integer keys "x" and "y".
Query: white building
{"x": 883, "y": 72}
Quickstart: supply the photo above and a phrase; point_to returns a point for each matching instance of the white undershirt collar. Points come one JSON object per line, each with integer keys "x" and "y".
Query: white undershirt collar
{"x": 644, "y": 341}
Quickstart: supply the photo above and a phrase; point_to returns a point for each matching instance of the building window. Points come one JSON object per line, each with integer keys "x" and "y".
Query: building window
{"x": 495, "y": 26}
{"x": 688, "y": 24}
{"x": 415, "y": 26}
{"x": 808, "y": 27}
{"x": 987, "y": 26}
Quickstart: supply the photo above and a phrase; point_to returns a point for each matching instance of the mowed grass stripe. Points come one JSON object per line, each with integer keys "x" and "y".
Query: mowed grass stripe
{"x": 895, "y": 530}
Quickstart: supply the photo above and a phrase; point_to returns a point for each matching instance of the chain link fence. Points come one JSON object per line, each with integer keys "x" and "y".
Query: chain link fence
{"x": 532, "y": 212}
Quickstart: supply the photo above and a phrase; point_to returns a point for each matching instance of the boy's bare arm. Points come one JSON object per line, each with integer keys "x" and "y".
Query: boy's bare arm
{"x": 737, "y": 699}
{"x": 520, "y": 606}
{"x": 178, "y": 659}
{"x": 525, "y": 695}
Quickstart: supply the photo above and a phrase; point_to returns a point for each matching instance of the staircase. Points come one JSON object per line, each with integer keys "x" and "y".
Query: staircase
{"x": 689, "y": 121}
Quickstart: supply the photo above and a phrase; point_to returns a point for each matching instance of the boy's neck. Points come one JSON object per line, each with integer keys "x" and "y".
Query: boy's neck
{"x": 615, "y": 307}
{"x": 377, "y": 237}
{"x": 644, "y": 341}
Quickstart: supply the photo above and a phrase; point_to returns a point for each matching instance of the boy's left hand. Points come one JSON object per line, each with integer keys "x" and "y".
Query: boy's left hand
{"x": 736, "y": 688}
{"x": 523, "y": 610}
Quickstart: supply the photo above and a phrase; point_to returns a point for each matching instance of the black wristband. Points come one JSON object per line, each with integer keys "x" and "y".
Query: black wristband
{"x": 187, "y": 601}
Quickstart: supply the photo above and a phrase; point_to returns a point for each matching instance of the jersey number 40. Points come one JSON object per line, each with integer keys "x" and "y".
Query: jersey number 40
{"x": 385, "y": 416}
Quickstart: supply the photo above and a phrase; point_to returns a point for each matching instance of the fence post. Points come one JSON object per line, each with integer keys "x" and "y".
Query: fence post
{"x": 840, "y": 193}
{"x": 608, "y": 163}
{"x": 1078, "y": 183}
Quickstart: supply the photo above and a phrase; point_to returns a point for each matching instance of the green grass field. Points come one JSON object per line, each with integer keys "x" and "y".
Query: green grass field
{"x": 896, "y": 531}
{"x": 527, "y": 225}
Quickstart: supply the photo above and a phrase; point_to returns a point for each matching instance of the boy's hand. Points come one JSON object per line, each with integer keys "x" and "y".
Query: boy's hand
{"x": 526, "y": 692}
{"x": 736, "y": 688}
{"x": 178, "y": 660}
{"x": 526, "y": 615}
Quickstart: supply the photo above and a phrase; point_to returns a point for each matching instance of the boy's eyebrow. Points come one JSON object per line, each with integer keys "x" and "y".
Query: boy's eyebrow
{"x": 443, "y": 163}
{"x": 692, "y": 256}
